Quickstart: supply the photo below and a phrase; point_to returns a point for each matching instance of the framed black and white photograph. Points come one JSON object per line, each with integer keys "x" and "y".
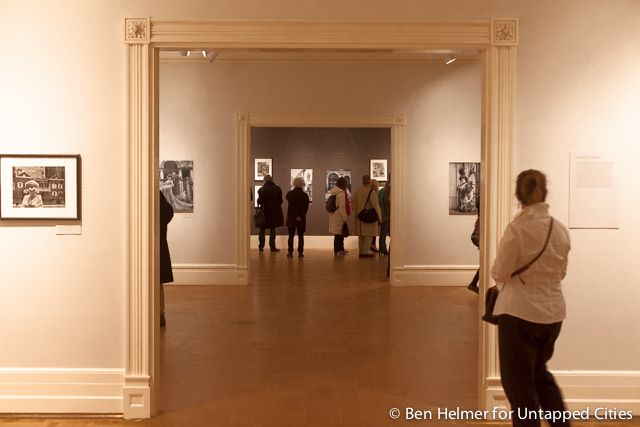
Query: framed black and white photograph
{"x": 40, "y": 187}
{"x": 263, "y": 167}
{"x": 307, "y": 177}
{"x": 378, "y": 169}
{"x": 332, "y": 176}
{"x": 256, "y": 188}
{"x": 176, "y": 183}
{"x": 464, "y": 188}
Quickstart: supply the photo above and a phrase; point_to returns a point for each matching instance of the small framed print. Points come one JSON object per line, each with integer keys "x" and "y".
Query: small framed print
{"x": 378, "y": 169}
{"x": 263, "y": 167}
{"x": 40, "y": 187}
{"x": 256, "y": 188}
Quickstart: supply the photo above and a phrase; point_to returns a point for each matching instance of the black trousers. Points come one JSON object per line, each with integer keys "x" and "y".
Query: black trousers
{"x": 292, "y": 231}
{"x": 525, "y": 348}
{"x": 272, "y": 238}
{"x": 474, "y": 281}
{"x": 338, "y": 243}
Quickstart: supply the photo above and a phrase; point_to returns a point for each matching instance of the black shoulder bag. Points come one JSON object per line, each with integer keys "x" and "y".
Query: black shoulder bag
{"x": 368, "y": 215}
{"x": 491, "y": 296}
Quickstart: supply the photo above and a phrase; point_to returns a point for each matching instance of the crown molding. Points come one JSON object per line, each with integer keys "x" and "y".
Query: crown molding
{"x": 317, "y": 34}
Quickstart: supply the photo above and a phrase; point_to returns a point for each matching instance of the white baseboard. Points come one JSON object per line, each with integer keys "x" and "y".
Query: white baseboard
{"x": 311, "y": 242}
{"x": 619, "y": 390}
{"x": 209, "y": 274}
{"x": 434, "y": 275}
{"x": 82, "y": 391}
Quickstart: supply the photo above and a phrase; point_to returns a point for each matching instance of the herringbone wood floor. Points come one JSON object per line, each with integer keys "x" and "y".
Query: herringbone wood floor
{"x": 312, "y": 342}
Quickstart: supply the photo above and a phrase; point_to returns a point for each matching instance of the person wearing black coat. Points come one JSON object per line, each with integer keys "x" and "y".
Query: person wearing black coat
{"x": 166, "y": 273}
{"x": 297, "y": 215}
{"x": 270, "y": 198}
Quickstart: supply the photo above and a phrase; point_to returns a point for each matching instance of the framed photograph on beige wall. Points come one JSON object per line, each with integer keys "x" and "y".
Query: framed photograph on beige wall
{"x": 40, "y": 187}
{"x": 263, "y": 167}
{"x": 378, "y": 169}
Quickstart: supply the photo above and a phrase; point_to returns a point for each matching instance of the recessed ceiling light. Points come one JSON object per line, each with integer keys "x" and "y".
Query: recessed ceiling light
{"x": 451, "y": 60}
{"x": 188, "y": 53}
{"x": 204, "y": 53}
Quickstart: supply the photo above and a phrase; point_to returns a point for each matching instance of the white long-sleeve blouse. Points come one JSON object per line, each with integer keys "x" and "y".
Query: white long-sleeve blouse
{"x": 539, "y": 299}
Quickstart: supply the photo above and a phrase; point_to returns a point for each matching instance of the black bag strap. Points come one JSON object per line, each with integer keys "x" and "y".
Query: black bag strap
{"x": 368, "y": 197}
{"x": 525, "y": 267}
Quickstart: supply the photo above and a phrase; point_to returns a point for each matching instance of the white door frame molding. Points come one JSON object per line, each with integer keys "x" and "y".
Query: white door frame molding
{"x": 497, "y": 39}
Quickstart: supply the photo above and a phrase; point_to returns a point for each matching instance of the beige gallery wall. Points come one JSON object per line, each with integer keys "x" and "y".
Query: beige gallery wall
{"x": 63, "y": 89}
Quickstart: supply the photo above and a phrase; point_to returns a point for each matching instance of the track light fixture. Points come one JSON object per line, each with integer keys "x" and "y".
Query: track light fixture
{"x": 450, "y": 60}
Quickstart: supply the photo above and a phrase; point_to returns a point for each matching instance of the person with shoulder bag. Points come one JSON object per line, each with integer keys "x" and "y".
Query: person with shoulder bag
{"x": 530, "y": 307}
{"x": 270, "y": 201}
{"x": 368, "y": 216}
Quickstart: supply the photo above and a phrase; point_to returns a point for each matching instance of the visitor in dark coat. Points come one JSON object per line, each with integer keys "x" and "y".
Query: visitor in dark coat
{"x": 270, "y": 198}
{"x": 166, "y": 273}
{"x": 297, "y": 215}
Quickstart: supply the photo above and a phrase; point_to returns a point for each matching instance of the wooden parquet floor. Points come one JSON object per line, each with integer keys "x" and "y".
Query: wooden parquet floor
{"x": 318, "y": 341}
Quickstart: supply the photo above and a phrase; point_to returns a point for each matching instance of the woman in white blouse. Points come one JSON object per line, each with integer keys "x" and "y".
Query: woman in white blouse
{"x": 530, "y": 306}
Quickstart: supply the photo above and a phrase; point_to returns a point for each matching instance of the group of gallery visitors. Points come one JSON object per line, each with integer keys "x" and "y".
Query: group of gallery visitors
{"x": 369, "y": 197}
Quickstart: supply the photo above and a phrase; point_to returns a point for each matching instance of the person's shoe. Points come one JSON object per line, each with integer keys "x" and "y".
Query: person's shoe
{"x": 163, "y": 321}
{"x": 341, "y": 253}
{"x": 374, "y": 249}
{"x": 300, "y": 255}
{"x": 275, "y": 250}
{"x": 289, "y": 254}
{"x": 384, "y": 252}
{"x": 474, "y": 288}
{"x": 261, "y": 249}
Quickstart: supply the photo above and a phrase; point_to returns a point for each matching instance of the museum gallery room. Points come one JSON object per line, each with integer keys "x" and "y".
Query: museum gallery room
{"x": 138, "y": 137}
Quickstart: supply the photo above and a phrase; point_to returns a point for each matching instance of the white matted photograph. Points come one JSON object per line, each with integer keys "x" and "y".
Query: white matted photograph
{"x": 378, "y": 169}
{"x": 256, "y": 188}
{"x": 464, "y": 188}
{"x": 307, "y": 177}
{"x": 176, "y": 183}
{"x": 332, "y": 177}
{"x": 40, "y": 187}
{"x": 263, "y": 167}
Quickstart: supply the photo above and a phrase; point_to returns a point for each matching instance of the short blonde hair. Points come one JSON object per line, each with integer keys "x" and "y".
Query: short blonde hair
{"x": 298, "y": 182}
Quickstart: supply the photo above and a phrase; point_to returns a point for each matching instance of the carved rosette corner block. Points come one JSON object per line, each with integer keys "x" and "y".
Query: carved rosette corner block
{"x": 505, "y": 32}
{"x": 401, "y": 120}
{"x": 136, "y": 30}
{"x": 241, "y": 118}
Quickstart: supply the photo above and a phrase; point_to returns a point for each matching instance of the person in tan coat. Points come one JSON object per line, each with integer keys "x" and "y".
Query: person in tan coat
{"x": 339, "y": 218}
{"x": 366, "y": 197}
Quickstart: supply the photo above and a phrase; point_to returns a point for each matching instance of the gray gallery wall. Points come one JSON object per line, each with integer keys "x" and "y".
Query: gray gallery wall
{"x": 319, "y": 149}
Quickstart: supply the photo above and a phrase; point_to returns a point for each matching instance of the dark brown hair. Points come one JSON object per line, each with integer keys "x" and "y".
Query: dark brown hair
{"x": 531, "y": 187}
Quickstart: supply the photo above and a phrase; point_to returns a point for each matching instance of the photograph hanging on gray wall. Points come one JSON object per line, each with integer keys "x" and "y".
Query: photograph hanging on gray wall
{"x": 256, "y": 188}
{"x": 263, "y": 167}
{"x": 40, "y": 187}
{"x": 307, "y": 177}
{"x": 378, "y": 169}
{"x": 331, "y": 178}
{"x": 176, "y": 183}
{"x": 464, "y": 188}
